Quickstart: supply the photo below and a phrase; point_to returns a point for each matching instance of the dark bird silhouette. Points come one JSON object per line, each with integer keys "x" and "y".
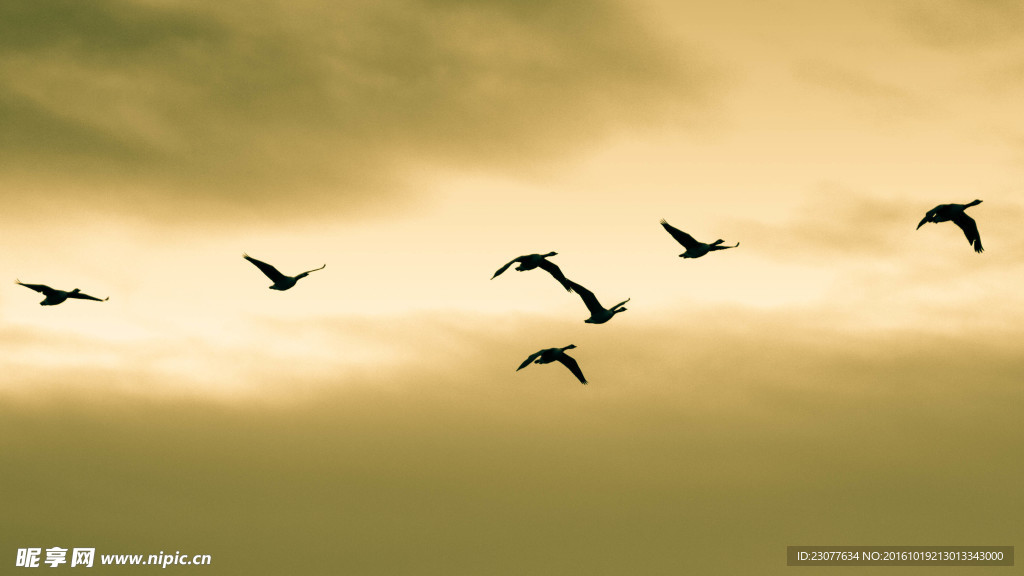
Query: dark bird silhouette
{"x": 54, "y": 296}
{"x": 549, "y": 355}
{"x": 281, "y": 282}
{"x": 598, "y": 313}
{"x": 694, "y": 249}
{"x": 531, "y": 261}
{"x": 955, "y": 212}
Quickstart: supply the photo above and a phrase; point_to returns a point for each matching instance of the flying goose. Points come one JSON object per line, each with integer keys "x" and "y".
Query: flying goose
{"x": 54, "y": 296}
{"x": 549, "y": 355}
{"x": 598, "y": 314}
{"x": 281, "y": 282}
{"x": 531, "y": 261}
{"x": 694, "y": 249}
{"x": 955, "y": 212}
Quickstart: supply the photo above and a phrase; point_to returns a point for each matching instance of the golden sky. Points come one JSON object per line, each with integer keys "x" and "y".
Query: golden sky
{"x": 838, "y": 379}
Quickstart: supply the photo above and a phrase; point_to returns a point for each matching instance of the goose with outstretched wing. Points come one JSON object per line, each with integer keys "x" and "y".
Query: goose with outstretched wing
{"x": 598, "y": 314}
{"x": 694, "y": 248}
{"x": 54, "y": 296}
{"x": 956, "y": 214}
{"x": 281, "y": 282}
{"x": 549, "y": 355}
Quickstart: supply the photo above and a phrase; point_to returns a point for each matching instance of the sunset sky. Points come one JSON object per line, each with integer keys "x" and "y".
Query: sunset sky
{"x": 839, "y": 379}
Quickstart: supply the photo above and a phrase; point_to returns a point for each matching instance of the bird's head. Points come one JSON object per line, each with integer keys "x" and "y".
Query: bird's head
{"x": 75, "y": 291}
{"x": 569, "y": 347}
{"x": 550, "y": 254}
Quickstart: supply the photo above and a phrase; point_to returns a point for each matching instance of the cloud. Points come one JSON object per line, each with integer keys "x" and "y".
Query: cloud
{"x": 871, "y": 267}
{"x": 691, "y": 441}
{"x": 959, "y": 24}
{"x": 877, "y": 99}
{"x": 306, "y": 105}
{"x": 834, "y": 219}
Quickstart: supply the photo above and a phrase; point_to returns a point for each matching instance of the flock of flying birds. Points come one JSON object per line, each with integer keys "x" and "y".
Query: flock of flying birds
{"x": 694, "y": 249}
{"x": 598, "y": 313}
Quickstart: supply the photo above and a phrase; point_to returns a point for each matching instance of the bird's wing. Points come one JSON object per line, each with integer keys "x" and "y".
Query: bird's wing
{"x": 41, "y": 288}
{"x": 588, "y": 297}
{"x": 682, "y": 237}
{"x": 82, "y": 296}
{"x": 267, "y": 269}
{"x": 573, "y": 367}
{"x": 529, "y": 360}
{"x": 970, "y": 228}
{"x": 555, "y": 271}
{"x": 505, "y": 267}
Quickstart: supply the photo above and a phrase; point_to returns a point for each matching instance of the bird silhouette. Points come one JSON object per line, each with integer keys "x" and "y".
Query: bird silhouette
{"x": 531, "y": 261}
{"x": 955, "y": 212}
{"x": 694, "y": 249}
{"x": 54, "y": 296}
{"x": 549, "y": 355}
{"x": 598, "y": 313}
{"x": 281, "y": 282}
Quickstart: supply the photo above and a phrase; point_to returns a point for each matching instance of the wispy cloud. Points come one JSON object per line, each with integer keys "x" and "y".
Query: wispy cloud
{"x": 688, "y": 443}
{"x": 833, "y": 220}
{"x": 319, "y": 104}
{"x": 876, "y": 99}
{"x": 958, "y": 24}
